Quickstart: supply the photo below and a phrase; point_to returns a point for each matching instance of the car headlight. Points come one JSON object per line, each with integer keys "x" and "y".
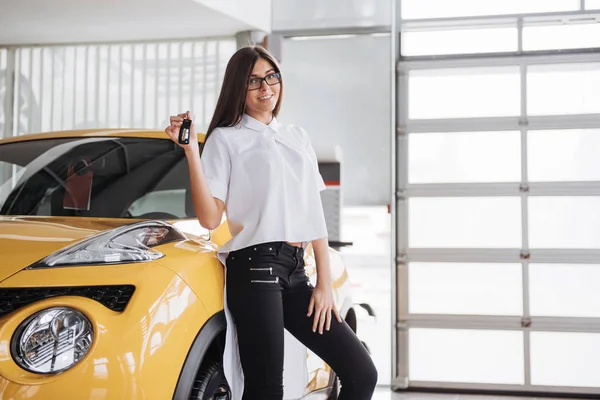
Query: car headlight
{"x": 52, "y": 340}
{"x": 127, "y": 244}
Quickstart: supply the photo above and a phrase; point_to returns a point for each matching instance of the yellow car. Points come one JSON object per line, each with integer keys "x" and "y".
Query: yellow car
{"x": 109, "y": 286}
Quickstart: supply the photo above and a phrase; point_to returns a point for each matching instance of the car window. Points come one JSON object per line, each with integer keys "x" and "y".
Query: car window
{"x": 95, "y": 177}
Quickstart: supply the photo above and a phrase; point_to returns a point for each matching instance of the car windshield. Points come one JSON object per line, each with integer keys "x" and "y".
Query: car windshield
{"x": 95, "y": 177}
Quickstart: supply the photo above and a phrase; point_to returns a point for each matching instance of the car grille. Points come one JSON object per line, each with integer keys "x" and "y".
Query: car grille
{"x": 114, "y": 297}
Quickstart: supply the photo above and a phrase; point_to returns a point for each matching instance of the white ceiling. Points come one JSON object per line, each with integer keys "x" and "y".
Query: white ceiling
{"x": 76, "y": 21}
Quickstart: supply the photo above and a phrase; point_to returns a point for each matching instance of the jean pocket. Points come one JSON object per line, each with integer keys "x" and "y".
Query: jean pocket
{"x": 262, "y": 275}
{"x": 273, "y": 280}
{"x": 265, "y": 269}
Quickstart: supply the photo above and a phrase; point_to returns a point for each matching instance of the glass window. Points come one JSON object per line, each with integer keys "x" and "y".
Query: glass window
{"x": 564, "y": 222}
{"x": 563, "y": 89}
{"x": 464, "y": 93}
{"x": 550, "y": 37}
{"x": 95, "y": 177}
{"x": 564, "y": 290}
{"x": 459, "y": 41}
{"x": 565, "y": 359}
{"x": 464, "y": 222}
{"x": 448, "y": 157}
{"x": 116, "y": 85}
{"x": 465, "y": 288}
{"x": 563, "y": 155}
{"x": 461, "y": 355}
{"x": 412, "y": 9}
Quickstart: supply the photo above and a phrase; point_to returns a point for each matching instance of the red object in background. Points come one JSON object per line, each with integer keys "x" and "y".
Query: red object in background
{"x": 78, "y": 192}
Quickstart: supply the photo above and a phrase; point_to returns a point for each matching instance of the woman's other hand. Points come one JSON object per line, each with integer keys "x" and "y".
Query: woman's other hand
{"x": 322, "y": 304}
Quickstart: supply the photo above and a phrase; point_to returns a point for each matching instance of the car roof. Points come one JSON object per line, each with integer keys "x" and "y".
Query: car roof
{"x": 132, "y": 133}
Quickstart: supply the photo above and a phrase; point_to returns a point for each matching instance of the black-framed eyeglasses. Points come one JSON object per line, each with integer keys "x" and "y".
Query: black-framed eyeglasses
{"x": 271, "y": 79}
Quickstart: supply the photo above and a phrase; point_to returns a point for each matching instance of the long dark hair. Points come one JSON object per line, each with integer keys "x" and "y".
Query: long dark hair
{"x": 232, "y": 99}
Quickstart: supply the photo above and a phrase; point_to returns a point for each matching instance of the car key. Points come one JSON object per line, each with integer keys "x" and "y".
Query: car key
{"x": 184, "y": 131}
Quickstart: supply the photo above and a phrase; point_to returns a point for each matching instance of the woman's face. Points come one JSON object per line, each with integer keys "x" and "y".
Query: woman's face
{"x": 264, "y": 98}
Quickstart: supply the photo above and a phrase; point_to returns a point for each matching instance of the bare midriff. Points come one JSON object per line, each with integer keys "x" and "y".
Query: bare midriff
{"x": 297, "y": 244}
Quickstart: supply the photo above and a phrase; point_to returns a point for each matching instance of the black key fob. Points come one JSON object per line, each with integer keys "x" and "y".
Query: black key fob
{"x": 184, "y": 131}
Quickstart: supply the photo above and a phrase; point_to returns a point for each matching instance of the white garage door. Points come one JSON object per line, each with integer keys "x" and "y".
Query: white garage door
{"x": 498, "y": 211}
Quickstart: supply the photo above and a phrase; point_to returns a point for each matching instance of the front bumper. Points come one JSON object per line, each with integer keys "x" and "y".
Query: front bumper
{"x": 137, "y": 354}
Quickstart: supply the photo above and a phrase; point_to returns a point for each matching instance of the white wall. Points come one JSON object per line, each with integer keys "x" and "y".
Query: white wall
{"x": 310, "y": 14}
{"x": 339, "y": 91}
{"x": 254, "y": 12}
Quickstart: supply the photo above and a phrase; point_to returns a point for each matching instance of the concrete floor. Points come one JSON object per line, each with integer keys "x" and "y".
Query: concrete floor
{"x": 387, "y": 394}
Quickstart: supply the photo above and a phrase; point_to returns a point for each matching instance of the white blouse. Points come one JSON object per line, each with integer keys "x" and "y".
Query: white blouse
{"x": 268, "y": 178}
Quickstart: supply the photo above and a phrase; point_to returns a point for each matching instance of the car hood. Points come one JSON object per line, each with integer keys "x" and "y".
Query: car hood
{"x": 25, "y": 240}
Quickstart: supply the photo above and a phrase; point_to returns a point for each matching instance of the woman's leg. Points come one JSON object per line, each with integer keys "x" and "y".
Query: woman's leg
{"x": 339, "y": 347}
{"x": 256, "y": 307}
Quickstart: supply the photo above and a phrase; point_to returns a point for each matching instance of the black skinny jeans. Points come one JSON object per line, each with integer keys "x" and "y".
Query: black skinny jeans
{"x": 267, "y": 291}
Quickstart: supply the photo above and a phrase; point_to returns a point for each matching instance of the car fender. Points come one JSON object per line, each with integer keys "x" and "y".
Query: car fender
{"x": 207, "y": 335}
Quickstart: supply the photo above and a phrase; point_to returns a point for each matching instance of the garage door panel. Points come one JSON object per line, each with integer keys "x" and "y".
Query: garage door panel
{"x": 565, "y": 359}
{"x": 461, "y": 355}
{"x": 458, "y": 41}
{"x": 464, "y": 92}
{"x": 464, "y": 8}
{"x": 464, "y": 157}
{"x": 563, "y": 89}
{"x": 592, "y": 4}
{"x": 465, "y": 288}
{"x": 563, "y": 155}
{"x": 564, "y": 222}
{"x": 465, "y": 222}
{"x": 558, "y": 36}
{"x": 564, "y": 290}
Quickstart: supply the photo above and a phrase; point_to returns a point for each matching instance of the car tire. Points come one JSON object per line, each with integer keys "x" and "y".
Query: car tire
{"x": 210, "y": 383}
{"x": 335, "y": 389}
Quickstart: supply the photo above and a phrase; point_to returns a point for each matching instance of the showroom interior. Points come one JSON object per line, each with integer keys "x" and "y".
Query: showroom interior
{"x": 460, "y": 139}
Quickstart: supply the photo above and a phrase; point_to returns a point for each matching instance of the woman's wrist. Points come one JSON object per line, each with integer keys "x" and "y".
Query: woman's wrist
{"x": 191, "y": 151}
{"x": 323, "y": 282}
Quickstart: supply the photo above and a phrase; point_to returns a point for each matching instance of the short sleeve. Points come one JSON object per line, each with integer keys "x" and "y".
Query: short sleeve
{"x": 313, "y": 157}
{"x": 216, "y": 165}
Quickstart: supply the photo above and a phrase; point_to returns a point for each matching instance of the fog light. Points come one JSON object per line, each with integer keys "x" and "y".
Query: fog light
{"x": 52, "y": 340}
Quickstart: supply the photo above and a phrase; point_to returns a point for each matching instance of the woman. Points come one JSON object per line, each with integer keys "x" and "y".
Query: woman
{"x": 265, "y": 175}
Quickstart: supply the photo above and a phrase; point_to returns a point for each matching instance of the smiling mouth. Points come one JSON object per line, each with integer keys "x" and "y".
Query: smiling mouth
{"x": 267, "y": 97}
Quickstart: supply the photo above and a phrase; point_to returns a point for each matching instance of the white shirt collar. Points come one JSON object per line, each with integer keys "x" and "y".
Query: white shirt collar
{"x": 258, "y": 126}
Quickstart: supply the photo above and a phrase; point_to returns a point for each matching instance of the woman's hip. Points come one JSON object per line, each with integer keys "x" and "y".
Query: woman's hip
{"x": 274, "y": 263}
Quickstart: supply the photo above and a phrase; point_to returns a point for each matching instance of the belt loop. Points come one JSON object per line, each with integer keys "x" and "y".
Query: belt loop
{"x": 278, "y": 247}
